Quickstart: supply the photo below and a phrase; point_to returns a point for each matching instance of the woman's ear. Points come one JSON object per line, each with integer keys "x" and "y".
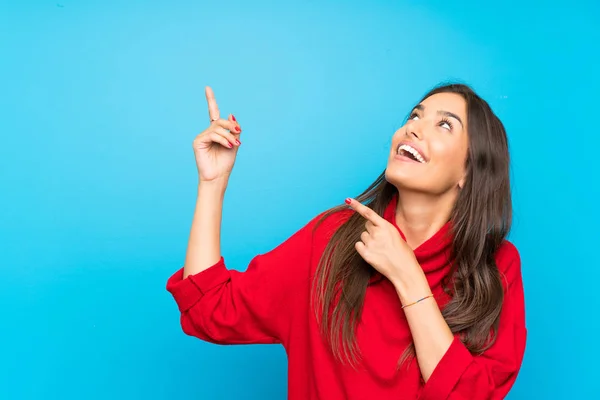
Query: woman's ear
{"x": 461, "y": 183}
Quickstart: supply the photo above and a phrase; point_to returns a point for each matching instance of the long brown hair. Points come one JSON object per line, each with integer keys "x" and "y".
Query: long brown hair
{"x": 481, "y": 219}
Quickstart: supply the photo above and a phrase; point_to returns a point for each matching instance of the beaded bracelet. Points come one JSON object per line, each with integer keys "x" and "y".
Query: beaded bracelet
{"x": 418, "y": 301}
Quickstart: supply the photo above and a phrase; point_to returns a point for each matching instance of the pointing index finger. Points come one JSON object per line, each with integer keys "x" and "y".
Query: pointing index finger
{"x": 365, "y": 211}
{"x": 213, "y": 109}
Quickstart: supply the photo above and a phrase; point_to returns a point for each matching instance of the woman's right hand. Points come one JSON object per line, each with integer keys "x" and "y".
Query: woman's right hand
{"x": 216, "y": 147}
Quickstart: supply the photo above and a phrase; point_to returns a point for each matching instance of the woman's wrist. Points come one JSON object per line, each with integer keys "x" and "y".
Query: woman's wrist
{"x": 412, "y": 286}
{"x": 215, "y": 186}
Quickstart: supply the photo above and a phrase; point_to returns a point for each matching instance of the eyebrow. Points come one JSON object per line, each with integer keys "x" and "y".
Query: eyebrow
{"x": 421, "y": 107}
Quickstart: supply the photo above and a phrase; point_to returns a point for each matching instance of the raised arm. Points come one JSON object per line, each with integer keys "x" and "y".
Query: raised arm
{"x": 215, "y": 150}
{"x": 226, "y": 306}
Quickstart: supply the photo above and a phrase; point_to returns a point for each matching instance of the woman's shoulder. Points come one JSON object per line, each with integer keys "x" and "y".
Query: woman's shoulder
{"x": 508, "y": 260}
{"x": 327, "y": 222}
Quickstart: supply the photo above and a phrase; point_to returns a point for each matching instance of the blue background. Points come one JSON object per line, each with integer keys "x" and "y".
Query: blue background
{"x": 100, "y": 102}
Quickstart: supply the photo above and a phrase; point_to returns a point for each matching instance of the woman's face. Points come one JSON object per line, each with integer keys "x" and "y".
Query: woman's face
{"x": 429, "y": 153}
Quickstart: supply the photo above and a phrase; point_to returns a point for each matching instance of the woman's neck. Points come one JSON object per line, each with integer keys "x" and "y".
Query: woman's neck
{"x": 419, "y": 216}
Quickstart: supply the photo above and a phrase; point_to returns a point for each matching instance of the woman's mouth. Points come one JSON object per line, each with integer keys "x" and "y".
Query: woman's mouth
{"x": 409, "y": 152}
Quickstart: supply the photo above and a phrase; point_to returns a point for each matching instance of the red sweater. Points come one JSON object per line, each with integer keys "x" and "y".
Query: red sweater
{"x": 270, "y": 303}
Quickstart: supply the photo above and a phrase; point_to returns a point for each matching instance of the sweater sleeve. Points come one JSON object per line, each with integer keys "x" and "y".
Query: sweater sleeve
{"x": 460, "y": 375}
{"x": 225, "y": 306}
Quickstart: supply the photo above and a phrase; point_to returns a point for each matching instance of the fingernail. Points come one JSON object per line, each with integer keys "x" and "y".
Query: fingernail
{"x": 237, "y": 129}
{"x": 229, "y": 145}
{"x": 348, "y": 201}
{"x": 233, "y": 117}
{"x": 238, "y": 142}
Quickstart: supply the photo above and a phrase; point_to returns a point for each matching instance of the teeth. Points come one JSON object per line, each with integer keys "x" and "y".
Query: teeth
{"x": 412, "y": 151}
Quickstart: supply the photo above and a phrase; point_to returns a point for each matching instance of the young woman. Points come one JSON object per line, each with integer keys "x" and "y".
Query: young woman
{"x": 409, "y": 291}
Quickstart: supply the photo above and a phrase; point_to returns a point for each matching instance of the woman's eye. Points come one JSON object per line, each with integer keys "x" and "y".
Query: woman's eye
{"x": 446, "y": 125}
{"x": 413, "y": 117}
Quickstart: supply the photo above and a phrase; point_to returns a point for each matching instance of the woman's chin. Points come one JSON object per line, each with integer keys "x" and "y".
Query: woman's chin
{"x": 402, "y": 180}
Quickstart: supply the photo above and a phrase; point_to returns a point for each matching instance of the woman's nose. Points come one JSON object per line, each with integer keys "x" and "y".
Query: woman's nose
{"x": 414, "y": 130}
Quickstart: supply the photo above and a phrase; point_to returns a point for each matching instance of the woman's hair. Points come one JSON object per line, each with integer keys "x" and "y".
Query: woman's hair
{"x": 480, "y": 221}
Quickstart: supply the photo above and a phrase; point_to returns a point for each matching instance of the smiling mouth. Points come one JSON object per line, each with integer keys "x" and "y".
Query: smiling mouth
{"x": 410, "y": 152}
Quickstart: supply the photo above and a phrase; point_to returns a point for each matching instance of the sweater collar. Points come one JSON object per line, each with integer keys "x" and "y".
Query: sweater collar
{"x": 434, "y": 254}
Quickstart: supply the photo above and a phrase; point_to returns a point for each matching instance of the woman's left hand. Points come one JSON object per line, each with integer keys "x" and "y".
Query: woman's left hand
{"x": 383, "y": 248}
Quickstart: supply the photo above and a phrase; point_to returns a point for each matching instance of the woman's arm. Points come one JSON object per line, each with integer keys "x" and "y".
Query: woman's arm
{"x": 448, "y": 368}
{"x": 204, "y": 244}
{"x": 226, "y": 306}
{"x": 431, "y": 334}
{"x": 446, "y": 364}
{"x": 222, "y": 305}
